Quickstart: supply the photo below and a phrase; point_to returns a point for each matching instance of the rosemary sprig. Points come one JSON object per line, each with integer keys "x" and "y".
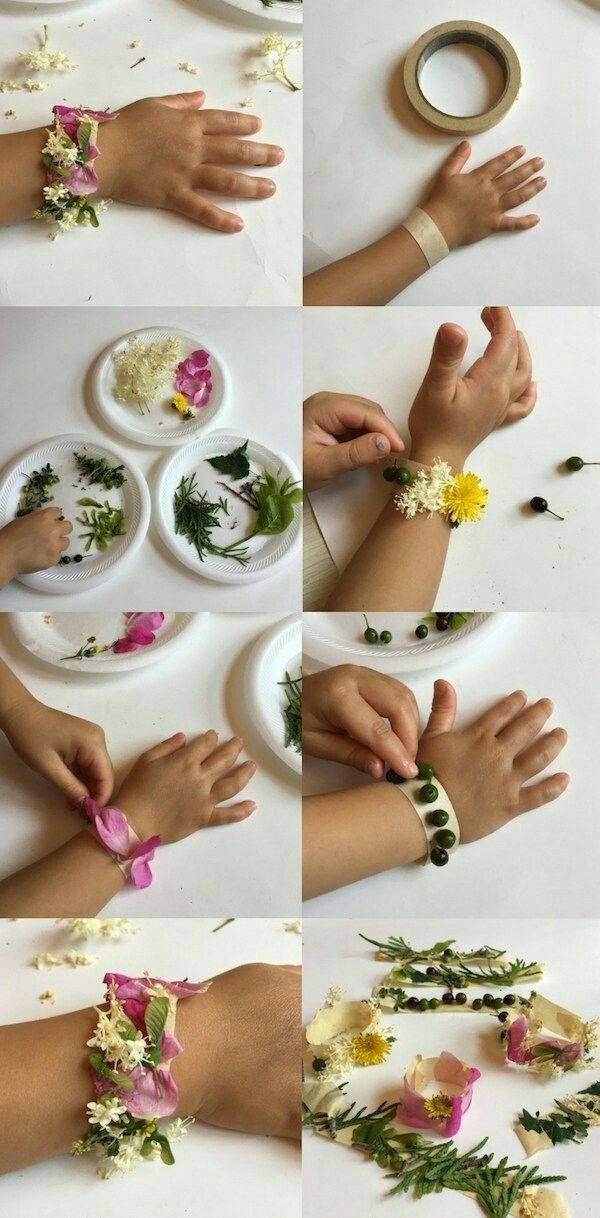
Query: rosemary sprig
{"x": 98, "y": 471}
{"x": 396, "y": 948}
{"x": 570, "y": 1121}
{"x": 461, "y": 976}
{"x": 195, "y": 519}
{"x": 35, "y": 492}
{"x": 292, "y": 712}
{"x": 103, "y": 523}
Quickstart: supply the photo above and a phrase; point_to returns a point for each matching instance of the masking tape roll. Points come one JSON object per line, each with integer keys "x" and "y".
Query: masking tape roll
{"x": 452, "y": 33}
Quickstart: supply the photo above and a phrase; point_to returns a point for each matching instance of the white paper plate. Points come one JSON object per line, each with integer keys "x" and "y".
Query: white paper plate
{"x": 337, "y": 638}
{"x": 290, "y": 14}
{"x": 160, "y": 426}
{"x": 133, "y": 497}
{"x": 52, "y": 636}
{"x": 278, "y": 650}
{"x": 265, "y": 552}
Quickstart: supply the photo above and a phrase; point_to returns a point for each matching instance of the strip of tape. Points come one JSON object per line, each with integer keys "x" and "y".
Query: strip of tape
{"x": 451, "y": 33}
{"x": 427, "y": 235}
{"x": 412, "y": 788}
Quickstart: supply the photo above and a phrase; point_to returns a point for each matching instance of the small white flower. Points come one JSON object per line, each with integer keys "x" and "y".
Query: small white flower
{"x": 178, "y": 1128}
{"x": 45, "y": 960}
{"x": 190, "y": 68}
{"x": 105, "y": 1112}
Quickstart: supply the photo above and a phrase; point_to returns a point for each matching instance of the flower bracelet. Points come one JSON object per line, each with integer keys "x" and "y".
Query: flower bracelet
{"x": 68, "y": 158}
{"x": 113, "y": 831}
{"x": 434, "y": 809}
{"x": 134, "y": 1044}
{"x": 458, "y": 497}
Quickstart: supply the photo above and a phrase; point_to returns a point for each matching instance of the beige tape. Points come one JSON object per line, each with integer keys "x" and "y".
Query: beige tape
{"x": 412, "y": 789}
{"x": 450, "y": 33}
{"x": 427, "y": 235}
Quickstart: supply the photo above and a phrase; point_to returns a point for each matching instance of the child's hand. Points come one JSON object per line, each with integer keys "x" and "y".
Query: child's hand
{"x": 470, "y": 206}
{"x": 451, "y": 413}
{"x": 361, "y": 718}
{"x": 242, "y": 1045}
{"x": 342, "y": 432}
{"x": 175, "y": 788}
{"x": 33, "y": 543}
{"x": 484, "y": 767}
{"x": 167, "y": 152}
{"x": 70, "y": 752}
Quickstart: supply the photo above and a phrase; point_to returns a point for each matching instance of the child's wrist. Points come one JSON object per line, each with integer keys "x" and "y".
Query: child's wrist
{"x": 445, "y": 222}
{"x": 110, "y": 137}
{"x": 425, "y": 452}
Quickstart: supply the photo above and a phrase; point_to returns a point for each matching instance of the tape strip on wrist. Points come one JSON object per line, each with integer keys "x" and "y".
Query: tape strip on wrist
{"x": 427, "y": 236}
{"x": 432, "y": 804}
{"x": 110, "y": 827}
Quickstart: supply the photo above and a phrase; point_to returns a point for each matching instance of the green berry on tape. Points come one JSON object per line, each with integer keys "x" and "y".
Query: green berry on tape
{"x": 412, "y": 1003}
{"x": 403, "y": 475}
{"x": 423, "y": 1004}
{"x": 428, "y": 794}
{"x": 385, "y": 636}
{"x": 439, "y": 818}
{"x": 509, "y": 1000}
{"x": 488, "y": 1000}
{"x": 439, "y": 857}
{"x": 426, "y": 771}
{"x": 461, "y": 999}
{"x": 422, "y": 631}
{"x": 445, "y": 838}
{"x": 448, "y": 998}
{"x": 477, "y": 1004}
{"x": 433, "y": 1004}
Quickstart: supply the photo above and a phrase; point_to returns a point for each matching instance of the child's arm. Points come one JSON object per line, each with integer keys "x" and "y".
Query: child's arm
{"x": 32, "y": 543}
{"x": 466, "y": 207}
{"x": 159, "y": 152}
{"x": 400, "y": 564}
{"x": 352, "y": 834}
{"x": 172, "y": 791}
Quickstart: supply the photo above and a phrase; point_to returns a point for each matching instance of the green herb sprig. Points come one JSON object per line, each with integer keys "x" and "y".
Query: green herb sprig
{"x": 103, "y": 523}
{"x": 460, "y": 976}
{"x": 196, "y": 516}
{"x": 396, "y": 948}
{"x": 566, "y": 1123}
{"x": 97, "y": 470}
{"x": 292, "y": 712}
{"x": 35, "y": 492}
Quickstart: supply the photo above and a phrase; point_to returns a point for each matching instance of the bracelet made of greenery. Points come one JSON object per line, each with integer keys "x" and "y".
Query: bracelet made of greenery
{"x": 459, "y": 498}
{"x": 134, "y": 1045}
{"x": 434, "y": 809}
{"x": 68, "y": 158}
{"x": 112, "y": 829}
{"x": 570, "y": 1121}
{"x": 446, "y": 953}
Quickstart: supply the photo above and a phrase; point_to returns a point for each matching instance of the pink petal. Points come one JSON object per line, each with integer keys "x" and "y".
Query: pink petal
{"x": 153, "y": 621}
{"x": 170, "y": 1047}
{"x": 571, "y": 1053}
{"x": 140, "y": 634}
{"x": 140, "y": 873}
{"x": 113, "y": 830}
{"x": 82, "y": 180}
{"x": 515, "y": 1051}
{"x": 155, "y": 1094}
{"x": 121, "y": 646}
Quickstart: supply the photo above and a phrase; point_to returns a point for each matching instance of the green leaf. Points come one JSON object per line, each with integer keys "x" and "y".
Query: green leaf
{"x": 166, "y": 1153}
{"x": 235, "y": 464}
{"x": 84, "y": 135}
{"x": 155, "y": 1019}
{"x": 126, "y": 1029}
{"x": 98, "y": 1064}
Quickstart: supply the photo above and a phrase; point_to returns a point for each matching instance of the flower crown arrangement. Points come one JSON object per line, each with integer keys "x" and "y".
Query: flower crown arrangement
{"x": 68, "y": 157}
{"x": 133, "y": 1046}
{"x": 460, "y": 498}
{"x": 436, "y": 1093}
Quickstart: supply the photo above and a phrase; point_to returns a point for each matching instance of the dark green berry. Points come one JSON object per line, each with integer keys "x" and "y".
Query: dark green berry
{"x": 425, "y": 771}
{"x": 78, "y": 558}
{"x": 460, "y": 998}
{"x": 448, "y": 998}
{"x": 64, "y": 561}
{"x": 422, "y": 631}
{"x": 403, "y": 475}
{"x": 445, "y": 838}
{"x": 488, "y": 1000}
{"x": 428, "y": 794}
{"x": 497, "y": 1003}
{"x": 439, "y": 818}
{"x": 438, "y": 857}
{"x": 477, "y": 1004}
{"x": 443, "y": 623}
{"x": 385, "y": 636}
{"x": 447, "y": 953}
{"x": 503, "y": 1016}
{"x": 412, "y": 1003}
{"x": 574, "y": 463}
{"x": 389, "y": 473}
{"x": 509, "y": 1000}
{"x": 433, "y": 1004}
{"x": 392, "y": 776}
{"x": 423, "y": 1004}
{"x": 371, "y": 635}
{"x": 319, "y": 1064}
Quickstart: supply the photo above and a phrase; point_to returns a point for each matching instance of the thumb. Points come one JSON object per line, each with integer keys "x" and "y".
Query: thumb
{"x": 60, "y": 775}
{"x": 457, "y": 159}
{"x": 184, "y": 101}
{"x": 443, "y": 709}
{"x": 362, "y": 450}
{"x": 449, "y": 348}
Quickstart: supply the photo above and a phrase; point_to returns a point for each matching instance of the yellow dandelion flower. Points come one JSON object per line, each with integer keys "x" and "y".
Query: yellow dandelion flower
{"x": 464, "y": 498}
{"x": 181, "y": 404}
{"x": 369, "y": 1049}
{"x": 438, "y": 1106}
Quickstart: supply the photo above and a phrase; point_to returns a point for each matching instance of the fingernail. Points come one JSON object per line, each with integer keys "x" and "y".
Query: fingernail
{"x": 413, "y": 770}
{"x": 237, "y": 226}
{"x": 280, "y": 155}
{"x": 270, "y": 188}
{"x": 382, "y": 444}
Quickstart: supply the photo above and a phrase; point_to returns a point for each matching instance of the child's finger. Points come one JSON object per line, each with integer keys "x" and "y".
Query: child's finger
{"x": 166, "y": 747}
{"x": 374, "y": 731}
{"x": 543, "y": 792}
{"x": 524, "y": 728}
{"x": 514, "y": 198}
{"x": 233, "y": 783}
{"x": 333, "y": 747}
{"x": 203, "y": 746}
{"x": 517, "y": 224}
{"x": 337, "y": 459}
{"x": 497, "y": 717}
{"x": 498, "y": 319}
{"x": 222, "y": 759}
{"x": 499, "y": 164}
{"x": 184, "y": 101}
{"x": 523, "y": 406}
{"x": 457, "y": 159}
{"x": 520, "y": 175}
{"x": 449, "y": 349}
{"x": 359, "y": 414}
{"x": 542, "y": 753}
{"x": 238, "y": 185}
{"x": 233, "y": 814}
{"x": 195, "y": 207}
{"x": 443, "y": 709}
{"x": 230, "y": 122}
{"x": 524, "y": 361}
{"x": 229, "y": 151}
{"x": 61, "y": 776}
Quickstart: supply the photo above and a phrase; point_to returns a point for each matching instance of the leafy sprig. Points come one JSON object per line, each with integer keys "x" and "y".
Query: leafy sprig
{"x": 570, "y": 1121}
{"x": 292, "y": 712}
{"x": 461, "y": 976}
{"x": 97, "y": 470}
{"x": 196, "y": 517}
{"x": 103, "y": 523}
{"x": 396, "y": 948}
{"x": 35, "y": 492}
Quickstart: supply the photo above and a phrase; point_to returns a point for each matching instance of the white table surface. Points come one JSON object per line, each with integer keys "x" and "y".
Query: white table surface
{"x": 544, "y": 862}
{"x": 187, "y": 264}
{"x": 266, "y": 1179}
{"x": 368, "y": 157}
{"x": 264, "y": 405}
{"x": 243, "y": 870}
{"x": 512, "y": 559}
{"x": 337, "y": 1179}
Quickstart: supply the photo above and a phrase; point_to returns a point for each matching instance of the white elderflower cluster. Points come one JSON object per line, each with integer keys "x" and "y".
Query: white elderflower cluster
{"x": 106, "y": 1111}
{"x": 45, "y": 960}
{"x": 178, "y": 1128}
{"x": 190, "y": 68}
{"x": 99, "y": 928}
{"x": 61, "y": 148}
{"x": 22, "y": 86}
{"x": 424, "y": 492}
{"x": 108, "y": 1037}
{"x": 275, "y": 48}
{"x": 45, "y": 60}
{"x": 591, "y": 1035}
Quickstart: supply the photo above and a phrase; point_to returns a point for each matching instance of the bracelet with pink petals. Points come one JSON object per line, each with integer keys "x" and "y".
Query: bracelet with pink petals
{"x": 441, "y": 1111}
{"x": 114, "y": 832}
{"x": 133, "y": 1047}
{"x": 548, "y": 1039}
{"x": 68, "y": 158}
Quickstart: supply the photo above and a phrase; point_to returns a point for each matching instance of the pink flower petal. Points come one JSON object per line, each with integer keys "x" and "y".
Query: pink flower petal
{"x": 449, "y": 1070}
{"x": 110, "y": 824}
{"x": 141, "y": 635}
{"x": 122, "y": 646}
{"x": 155, "y": 1094}
{"x": 515, "y": 1045}
{"x": 153, "y": 621}
{"x": 170, "y": 1047}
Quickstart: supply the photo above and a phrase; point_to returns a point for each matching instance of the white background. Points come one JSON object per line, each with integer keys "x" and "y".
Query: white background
{"x": 46, "y": 360}
{"x": 339, "y": 1179}
{"x": 368, "y": 158}
{"x": 244, "y": 870}
{"x": 512, "y": 559}
{"x": 141, "y": 256}
{"x": 265, "y": 1182}
{"x": 544, "y": 862}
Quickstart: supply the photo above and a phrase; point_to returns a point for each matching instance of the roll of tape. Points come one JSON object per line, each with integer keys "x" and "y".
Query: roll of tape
{"x": 452, "y": 33}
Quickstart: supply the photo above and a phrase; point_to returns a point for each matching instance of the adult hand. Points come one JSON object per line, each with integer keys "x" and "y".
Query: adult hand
{"x": 342, "y": 432}
{"x": 361, "y": 718}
